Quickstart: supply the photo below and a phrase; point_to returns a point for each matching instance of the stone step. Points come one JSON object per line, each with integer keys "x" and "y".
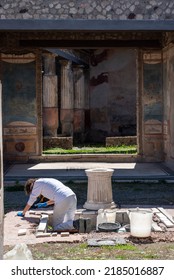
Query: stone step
{"x": 43, "y": 223}
{"x": 162, "y": 210}
{"x": 163, "y": 218}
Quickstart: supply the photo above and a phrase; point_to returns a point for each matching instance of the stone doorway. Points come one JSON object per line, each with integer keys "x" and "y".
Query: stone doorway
{"x": 91, "y": 101}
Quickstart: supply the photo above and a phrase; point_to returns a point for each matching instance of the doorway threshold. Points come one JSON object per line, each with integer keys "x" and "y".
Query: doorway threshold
{"x": 87, "y": 158}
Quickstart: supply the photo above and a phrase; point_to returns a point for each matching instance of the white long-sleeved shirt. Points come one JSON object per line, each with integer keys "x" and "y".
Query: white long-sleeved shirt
{"x": 51, "y": 189}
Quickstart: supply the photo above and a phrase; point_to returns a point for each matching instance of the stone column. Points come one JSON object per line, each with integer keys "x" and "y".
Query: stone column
{"x": 79, "y": 103}
{"x": 1, "y": 182}
{"x": 50, "y": 99}
{"x": 67, "y": 98}
{"x": 99, "y": 193}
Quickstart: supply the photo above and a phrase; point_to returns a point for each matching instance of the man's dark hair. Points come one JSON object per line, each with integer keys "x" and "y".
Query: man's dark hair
{"x": 29, "y": 186}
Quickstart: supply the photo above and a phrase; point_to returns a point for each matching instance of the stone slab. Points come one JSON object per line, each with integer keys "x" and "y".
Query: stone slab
{"x": 43, "y": 223}
{"x": 64, "y": 234}
{"x": 43, "y": 234}
{"x": 156, "y": 228}
{"x": 162, "y": 210}
{"x": 22, "y": 232}
{"x": 54, "y": 234}
{"x": 106, "y": 241}
{"x": 163, "y": 218}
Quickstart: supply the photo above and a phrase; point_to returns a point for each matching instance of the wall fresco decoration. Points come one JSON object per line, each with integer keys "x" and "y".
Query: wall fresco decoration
{"x": 19, "y": 90}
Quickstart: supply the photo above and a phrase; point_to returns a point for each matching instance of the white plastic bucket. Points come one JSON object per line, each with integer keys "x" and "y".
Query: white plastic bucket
{"x": 140, "y": 222}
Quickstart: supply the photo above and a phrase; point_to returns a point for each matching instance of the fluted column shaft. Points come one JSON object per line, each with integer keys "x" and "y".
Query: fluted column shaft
{"x": 99, "y": 193}
{"x": 67, "y": 98}
{"x": 79, "y": 103}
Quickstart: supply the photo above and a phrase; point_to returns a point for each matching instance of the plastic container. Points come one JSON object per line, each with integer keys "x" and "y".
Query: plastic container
{"x": 140, "y": 222}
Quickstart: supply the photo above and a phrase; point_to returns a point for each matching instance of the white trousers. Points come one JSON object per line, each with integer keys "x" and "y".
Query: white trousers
{"x": 64, "y": 212}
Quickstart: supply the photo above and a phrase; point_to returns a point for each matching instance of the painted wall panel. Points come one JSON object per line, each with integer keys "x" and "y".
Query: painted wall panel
{"x": 19, "y": 105}
{"x": 113, "y": 89}
{"x": 152, "y": 107}
{"x": 153, "y": 103}
{"x": 19, "y": 92}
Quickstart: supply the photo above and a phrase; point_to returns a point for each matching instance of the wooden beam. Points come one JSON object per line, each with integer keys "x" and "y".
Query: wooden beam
{"x": 85, "y": 25}
{"x": 87, "y": 44}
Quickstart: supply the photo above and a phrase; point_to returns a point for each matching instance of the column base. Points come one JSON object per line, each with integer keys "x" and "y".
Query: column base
{"x": 99, "y": 205}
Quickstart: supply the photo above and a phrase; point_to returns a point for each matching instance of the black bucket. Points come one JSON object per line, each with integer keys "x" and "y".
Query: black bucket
{"x": 108, "y": 227}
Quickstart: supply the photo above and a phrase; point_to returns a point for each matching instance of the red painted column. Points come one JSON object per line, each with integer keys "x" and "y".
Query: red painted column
{"x": 67, "y": 98}
{"x": 50, "y": 97}
{"x": 79, "y": 103}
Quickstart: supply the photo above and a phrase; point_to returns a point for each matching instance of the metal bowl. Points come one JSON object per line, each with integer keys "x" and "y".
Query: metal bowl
{"x": 106, "y": 227}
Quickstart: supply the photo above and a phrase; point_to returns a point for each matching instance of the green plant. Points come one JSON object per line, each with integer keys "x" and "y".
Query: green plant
{"x": 94, "y": 150}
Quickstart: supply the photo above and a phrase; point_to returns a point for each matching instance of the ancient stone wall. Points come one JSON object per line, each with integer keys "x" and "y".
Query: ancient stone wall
{"x": 1, "y": 181}
{"x": 54, "y": 142}
{"x": 82, "y": 9}
{"x": 118, "y": 141}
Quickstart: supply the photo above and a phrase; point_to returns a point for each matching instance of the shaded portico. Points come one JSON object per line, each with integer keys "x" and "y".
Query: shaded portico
{"x": 150, "y": 39}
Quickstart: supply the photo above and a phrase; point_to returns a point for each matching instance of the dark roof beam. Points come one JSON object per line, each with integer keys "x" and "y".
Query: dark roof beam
{"x": 69, "y": 55}
{"x": 85, "y": 25}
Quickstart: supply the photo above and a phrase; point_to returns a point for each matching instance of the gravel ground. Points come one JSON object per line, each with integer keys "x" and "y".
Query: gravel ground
{"x": 157, "y": 194}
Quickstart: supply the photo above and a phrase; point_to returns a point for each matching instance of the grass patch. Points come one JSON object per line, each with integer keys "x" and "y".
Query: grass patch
{"x": 72, "y": 251}
{"x": 83, "y": 251}
{"x": 127, "y": 247}
{"x": 94, "y": 150}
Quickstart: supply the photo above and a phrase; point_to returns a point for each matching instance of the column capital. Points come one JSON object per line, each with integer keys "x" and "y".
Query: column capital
{"x": 78, "y": 66}
{"x": 49, "y": 64}
{"x": 65, "y": 63}
{"x": 49, "y": 55}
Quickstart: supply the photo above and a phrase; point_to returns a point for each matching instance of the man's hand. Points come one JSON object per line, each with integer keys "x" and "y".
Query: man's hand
{"x": 20, "y": 214}
{"x": 41, "y": 205}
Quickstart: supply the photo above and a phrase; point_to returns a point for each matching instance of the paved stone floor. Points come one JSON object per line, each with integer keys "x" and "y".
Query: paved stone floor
{"x": 13, "y": 223}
